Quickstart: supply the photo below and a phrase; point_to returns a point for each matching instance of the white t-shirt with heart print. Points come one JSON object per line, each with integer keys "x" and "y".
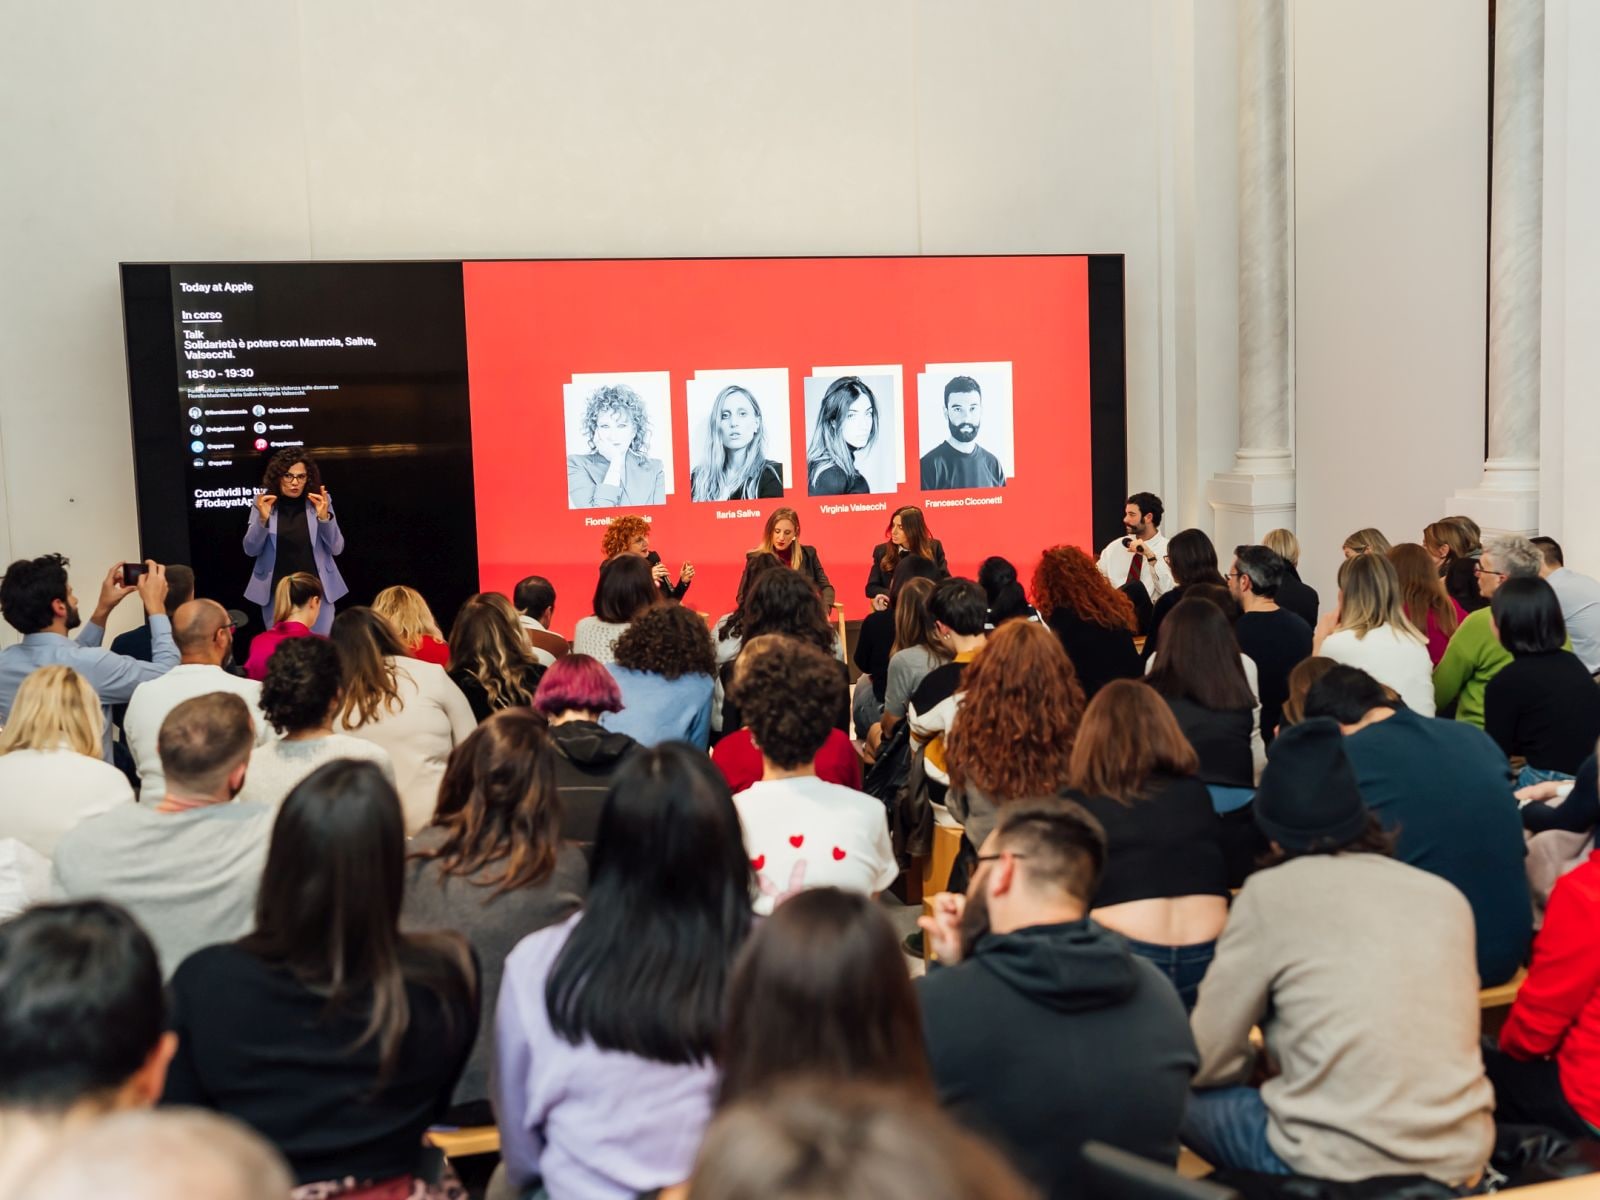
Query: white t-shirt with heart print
{"x": 805, "y": 832}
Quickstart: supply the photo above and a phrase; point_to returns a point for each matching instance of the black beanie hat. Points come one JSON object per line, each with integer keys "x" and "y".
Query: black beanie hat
{"x": 1309, "y": 799}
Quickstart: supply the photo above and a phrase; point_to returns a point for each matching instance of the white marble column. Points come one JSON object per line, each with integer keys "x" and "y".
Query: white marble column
{"x": 1258, "y": 494}
{"x": 1507, "y": 497}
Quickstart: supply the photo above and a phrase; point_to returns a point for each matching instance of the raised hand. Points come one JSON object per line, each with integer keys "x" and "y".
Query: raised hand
{"x": 152, "y": 587}
{"x": 264, "y": 503}
{"x": 112, "y": 593}
{"x": 322, "y": 502}
{"x": 686, "y": 573}
{"x": 943, "y": 928}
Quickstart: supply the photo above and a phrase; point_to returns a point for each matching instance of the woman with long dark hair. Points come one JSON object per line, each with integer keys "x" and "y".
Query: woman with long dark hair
{"x": 492, "y": 866}
{"x": 821, "y": 990}
{"x": 735, "y": 465}
{"x": 784, "y": 602}
{"x": 1192, "y": 559}
{"x": 1094, "y": 620}
{"x": 609, "y": 1023}
{"x": 846, "y": 427}
{"x": 907, "y": 534}
{"x": 1427, "y": 604}
{"x": 917, "y": 651}
{"x": 330, "y": 1032}
{"x": 624, "y": 590}
{"x": 1007, "y": 601}
{"x": 490, "y": 658}
{"x": 781, "y": 537}
{"x": 292, "y": 529}
{"x": 876, "y": 642}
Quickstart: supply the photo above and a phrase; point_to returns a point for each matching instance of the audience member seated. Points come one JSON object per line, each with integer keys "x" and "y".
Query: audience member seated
{"x": 298, "y": 600}
{"x": 1441, "y": 789}
{"x": 1033, "y": 994}
{"x": 24, "y": 877}
{"x": 138, "y": 643}
{"x": 493, "y": 867}
{"x": 1359, "y": 971}
{"x": 784, "y": 602}
{"x": 1270, "y": 635}
{"x": 572, "y": 697}
{"x": 1580, "y": 602}
{"x": 203, "y": 632}
{"x": 51, "y": 772}
{"x": 728, "y": 632}
{"x": 300, "y": 698}
{"x": 82, "y": 1028}
{"x": 1007, "y": 601}
{"x": 1544, "y": 707}
{"x": 877, "y": 641}
{"x": 37, "y": 601}
{"x": 1546, "y": 1069}
{"x": 328, "y": 1031}
{"x": 1454, "y": 544}
{"x": 801, "y": 831}
{"x": 1094, "y": 620}
{"x": 1368, "y": 629}
{"x": 1201, "y": 676}
{"x": 490, "y": 658}
{"x": 821, "y": 992}
{"x": 1578, "y": 811}
{"x": 1422, "y": 594}
{"x": 664, "y": 667}
{"x": 1301, "y": 681}
{"x": 160, "y": 1155}
{"x": 187, "y": 866}
{"x": 917, "y": 650}
{"x": 624, "y": 590}
{"x": 1192, "y": 560}
{"x": 959, "y": 610}
{"x": 609, "y": 1023}
{"x": 1165, "y": 885}
{"x": 1293, "y": 594}
{"x": 1475, "y": 655}
{"x": 408, "y": 707}
{"x": 1012, "y": 736}
{"x": 535, "y": 602}
{"x": 413, "y": 623}
{"x": 856, "y": 1142}
{"x": 1366, "y": 541}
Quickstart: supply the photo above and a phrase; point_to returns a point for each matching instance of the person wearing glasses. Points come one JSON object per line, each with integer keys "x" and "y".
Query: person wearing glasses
{"x": 1475, "y": 655}
{"x": 292, "y": 531}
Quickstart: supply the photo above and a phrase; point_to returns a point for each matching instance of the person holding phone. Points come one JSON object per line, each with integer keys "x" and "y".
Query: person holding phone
{"x": 292, "y": 530}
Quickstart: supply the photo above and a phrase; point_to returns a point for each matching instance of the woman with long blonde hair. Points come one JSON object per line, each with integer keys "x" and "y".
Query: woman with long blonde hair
{"x": 51, "y": 772}
{"x": 412, "y": 620}
{"x": 781, "y": 537}
{"x": 1366, "y": 541}
{"x": 490, "y": 660}
{"x": 1369, "y": 629}
{"x": 734, "y": 464}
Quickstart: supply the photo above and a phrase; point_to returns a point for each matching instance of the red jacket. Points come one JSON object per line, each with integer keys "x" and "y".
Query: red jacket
{"x": 740, "y": 762}
{"x": 431, "y": 649}
{"x": 1557, "y": 1011}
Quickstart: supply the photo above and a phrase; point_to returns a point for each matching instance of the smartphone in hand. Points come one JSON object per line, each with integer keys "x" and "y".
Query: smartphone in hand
{"x": 132, "y": 572}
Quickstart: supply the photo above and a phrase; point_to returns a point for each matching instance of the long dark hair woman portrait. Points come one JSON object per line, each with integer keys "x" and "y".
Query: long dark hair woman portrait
{"x": 1202, "y": 678}
{"x": 611, "y": 1020}
{"x": 327, "y": 1029}
{"x": 821, "y": 990}
{"x": 1192, "y": 559}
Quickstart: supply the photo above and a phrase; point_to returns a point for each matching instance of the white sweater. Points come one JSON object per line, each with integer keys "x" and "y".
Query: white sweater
{"x": 44, "y": 793}
{"x": 1393, "y": 658}
{"x": 276, "y": 768}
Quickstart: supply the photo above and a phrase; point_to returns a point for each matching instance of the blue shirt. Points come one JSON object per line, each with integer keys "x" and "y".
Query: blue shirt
{"x": 112, "y": 676}
{"x": 656, "y": 709}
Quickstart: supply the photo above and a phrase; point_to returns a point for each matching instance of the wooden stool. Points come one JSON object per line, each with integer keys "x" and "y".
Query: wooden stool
{"x": 466, "y": 1141}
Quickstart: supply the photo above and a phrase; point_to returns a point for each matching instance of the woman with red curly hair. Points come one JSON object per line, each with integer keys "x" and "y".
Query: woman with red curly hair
{"x": 1094, "y": 621}
{"x": 1013, "y": 733}
{"x": 631, "y": 535}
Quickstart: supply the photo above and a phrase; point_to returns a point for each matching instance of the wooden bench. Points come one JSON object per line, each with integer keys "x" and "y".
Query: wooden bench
{"x": 466, "y": 1141}
{"x": 936, "y": 870}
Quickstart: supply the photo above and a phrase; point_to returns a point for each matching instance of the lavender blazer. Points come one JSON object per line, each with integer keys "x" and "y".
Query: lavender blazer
{"x": 261, "y": 542}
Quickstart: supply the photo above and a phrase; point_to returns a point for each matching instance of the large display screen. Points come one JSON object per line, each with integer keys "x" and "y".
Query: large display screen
{"x": 478, "y": 422}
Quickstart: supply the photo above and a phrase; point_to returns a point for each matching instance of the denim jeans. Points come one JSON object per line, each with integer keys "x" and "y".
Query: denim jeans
{"x": 1184, "y": 965}
{"x": 1226, "y": 799}
{"x": 1529, "y": 776}
{"x": 1228, "y": 1128}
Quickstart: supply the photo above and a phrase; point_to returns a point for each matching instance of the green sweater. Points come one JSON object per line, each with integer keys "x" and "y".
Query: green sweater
{"x": 1473, "y": 657}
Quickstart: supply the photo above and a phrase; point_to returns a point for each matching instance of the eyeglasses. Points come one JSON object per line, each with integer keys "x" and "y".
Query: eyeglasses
{"x": 1480, "y": 569}
{"x": 296, "y": 477}
{"x": 983, "y": 858}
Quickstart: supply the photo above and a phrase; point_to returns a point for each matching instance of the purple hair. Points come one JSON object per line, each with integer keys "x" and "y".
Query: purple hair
{"x": 577, "y": 682}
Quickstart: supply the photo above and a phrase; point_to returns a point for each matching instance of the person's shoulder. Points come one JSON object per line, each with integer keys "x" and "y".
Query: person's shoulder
{"x": 209, "y": 965}
{"x": 533, "y": 955}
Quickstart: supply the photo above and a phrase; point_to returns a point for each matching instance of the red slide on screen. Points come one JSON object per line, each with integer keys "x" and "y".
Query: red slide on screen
{"x": 600, "y": 388}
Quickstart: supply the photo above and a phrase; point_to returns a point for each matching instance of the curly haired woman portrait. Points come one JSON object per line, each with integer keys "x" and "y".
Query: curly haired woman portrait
{"x": 617, "y": 470}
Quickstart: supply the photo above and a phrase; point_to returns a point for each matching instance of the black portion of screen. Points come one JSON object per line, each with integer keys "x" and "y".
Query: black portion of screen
{"x": 1108, "y": 396}
{"x": 362, "y": 364}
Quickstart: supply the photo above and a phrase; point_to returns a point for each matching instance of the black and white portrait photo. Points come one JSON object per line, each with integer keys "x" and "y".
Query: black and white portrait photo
{"x": 964, "y": 426}
{"x": 738, "y": 434}
{"x": 852, "y": 435}
{"x": 619, "y": 439}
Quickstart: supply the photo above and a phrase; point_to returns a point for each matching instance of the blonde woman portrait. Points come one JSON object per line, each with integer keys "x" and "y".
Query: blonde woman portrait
{"x": 733, "y": 463}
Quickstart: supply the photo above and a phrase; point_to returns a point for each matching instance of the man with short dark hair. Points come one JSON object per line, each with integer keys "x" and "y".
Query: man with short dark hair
{"x": 82, "y": 1026}
{"x": 1274, "y": 638}
{"x": 1140, "y": 555}
{"x": 960, "y": 611}
{"x": 535, "y": 601}
{"x": 188, "y": 867}
{"x": 36, "y": 600}
{"x": 1579, "y": 597}
{"x": 958, "y": 461}
{"x": 1443, "y": 788}
{"x": 1044, "y": 1031}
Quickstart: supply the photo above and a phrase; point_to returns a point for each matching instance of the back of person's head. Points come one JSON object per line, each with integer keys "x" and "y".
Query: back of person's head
{"x": 1061, "y": 847}
{"x": 1128, "y": 734}
{"x": 909, "y": 568}
{"x": 1422, "y": 590}
{"x": 785, "y": 602}
{"x": 408, "y": 615}
{"x": 668, "y": 907}
{"x": 368, "y": 647}
{"x": 625, "y": 589}
{"x": 54, "y": 707}
{"x": 913, "y": 623}
{"x": 821, "y": 990}
{"x": 1514, "y": 556}
{"x": 158, "y": 1155}
{"x": 960, "y": 606}
{"x": 487, "y": 643}
{"x": 1551, "y": 549}
{"x": 577, "y": 683}
{"x": 1068, "y": 579}
{"x": 1284, "y": 544}
{"x": 756, "y": 564}
{"x": 1450, "y": 535}
{"x": 1346, "y": 694}
{"x": 998, "y": 578}
{"x": 328, "y": 908}
{"x": 1217, "y": 595}
{"x": 1309, "y": 800}
{"x": 1149, "y": 505}
{"x": 1367, "y": 541}
{"x": 82, "y": 1010}
{"x": 788, "y": 692}
{"x": 195, "y": 625}
{"x": 668, "y": 640}
{"x": 1262, "y": 566}
{"x": 304, "y": 677}
{"x": 29, "y": 589}
{"x": 204, "y": 744}
{"x": 1369, "y": 596}
{"x": 498, "y": 804}
{"x": 180, "y": 586}
{"x": 1192, "y": 558}
{"x": 534, "y": 596}
{"x": 1527, "y": 616}
{"x": 1021, "y": 703}
{"x": 1305, "y": 674}
{"x": 293, "y": 593}
{"x": 1198, "y": 659}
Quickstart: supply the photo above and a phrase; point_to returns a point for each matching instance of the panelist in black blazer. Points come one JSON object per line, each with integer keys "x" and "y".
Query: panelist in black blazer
{"x": 631, "y": 535}
{"x": 781, "y": 538}
{"x": 908, "y": 534}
